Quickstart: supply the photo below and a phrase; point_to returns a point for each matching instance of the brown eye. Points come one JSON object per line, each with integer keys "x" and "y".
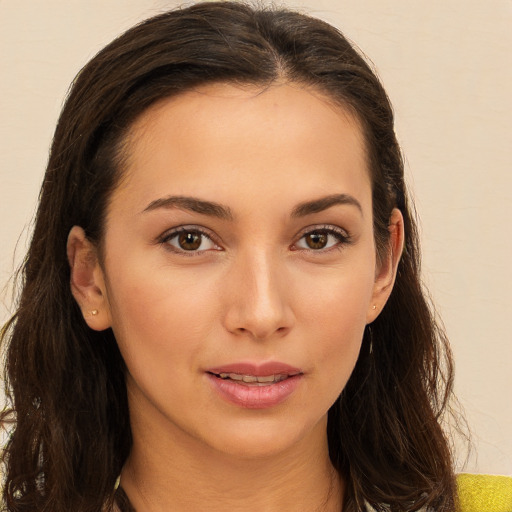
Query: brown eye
{"x": 190, "y": 240}
{"x": 316, "y": 240}
{"x": 321, "y": 239}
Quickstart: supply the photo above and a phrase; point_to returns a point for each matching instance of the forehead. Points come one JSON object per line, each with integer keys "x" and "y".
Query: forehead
{"x": 225, "y": 105}
{"x": 246, "y": 138}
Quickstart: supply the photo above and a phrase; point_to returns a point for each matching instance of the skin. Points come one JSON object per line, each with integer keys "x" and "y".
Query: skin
{"x": 253, "y": 291}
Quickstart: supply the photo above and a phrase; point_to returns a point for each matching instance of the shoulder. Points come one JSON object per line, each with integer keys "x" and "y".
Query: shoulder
{"x": 489, "y": 493}
{"x": 480, "y": 493}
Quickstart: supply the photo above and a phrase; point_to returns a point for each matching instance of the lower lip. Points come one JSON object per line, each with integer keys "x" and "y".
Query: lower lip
{"x": 255, "y": 397}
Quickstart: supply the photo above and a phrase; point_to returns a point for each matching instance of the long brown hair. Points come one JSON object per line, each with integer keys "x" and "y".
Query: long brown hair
{"x": 66, "y": 382}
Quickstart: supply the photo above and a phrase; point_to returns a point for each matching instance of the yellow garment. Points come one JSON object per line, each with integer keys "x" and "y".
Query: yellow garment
{"x": 484, "y": 493}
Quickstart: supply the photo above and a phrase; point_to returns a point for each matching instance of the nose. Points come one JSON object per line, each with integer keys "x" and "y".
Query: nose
{"x": 257, "y": 297}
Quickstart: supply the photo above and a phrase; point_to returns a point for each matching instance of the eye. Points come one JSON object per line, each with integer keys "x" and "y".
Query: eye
{"x": 322, "y": 239}
{"x": 189, "y": 240}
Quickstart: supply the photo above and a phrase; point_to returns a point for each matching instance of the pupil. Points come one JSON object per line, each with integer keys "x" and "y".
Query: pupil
{"x": 190, "y": 240}
{"x": 316, "y": 240}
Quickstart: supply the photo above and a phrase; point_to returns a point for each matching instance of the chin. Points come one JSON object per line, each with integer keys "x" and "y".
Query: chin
{"x": 267, "y": 438}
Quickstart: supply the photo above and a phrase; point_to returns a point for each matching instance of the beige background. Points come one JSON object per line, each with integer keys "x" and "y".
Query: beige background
{"x": 446, "y": 66}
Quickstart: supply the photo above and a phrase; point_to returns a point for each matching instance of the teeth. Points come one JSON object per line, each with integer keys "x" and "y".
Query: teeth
{"x": 269, "y": 378}
{"x": 233, "y": 376}
{"x": 253, "y": 379}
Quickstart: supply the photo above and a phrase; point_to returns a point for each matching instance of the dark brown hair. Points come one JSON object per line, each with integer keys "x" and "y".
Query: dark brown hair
{"x": 65, "y": 382}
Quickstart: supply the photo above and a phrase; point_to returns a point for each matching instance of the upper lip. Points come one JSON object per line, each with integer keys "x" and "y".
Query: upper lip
{"x": 256, "y": 369}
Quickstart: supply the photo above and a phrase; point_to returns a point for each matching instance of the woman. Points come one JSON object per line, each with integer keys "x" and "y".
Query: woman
{"x": 221, "y": 304}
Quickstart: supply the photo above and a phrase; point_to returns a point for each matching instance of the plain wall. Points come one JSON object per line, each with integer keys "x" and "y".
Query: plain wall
{"x": 446, "y": 66}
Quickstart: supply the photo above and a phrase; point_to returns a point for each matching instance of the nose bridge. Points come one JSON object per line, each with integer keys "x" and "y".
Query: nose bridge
{"x": 259, "y": 301}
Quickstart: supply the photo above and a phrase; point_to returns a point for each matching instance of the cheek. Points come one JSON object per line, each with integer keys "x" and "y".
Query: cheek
{"x": 335, "y": 318}
{"x": 338, "y": 301}
{"x": 339, "y": 341}
{"x": 156, "y": 315}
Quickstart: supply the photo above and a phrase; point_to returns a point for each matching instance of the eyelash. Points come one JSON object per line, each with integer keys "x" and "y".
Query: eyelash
{"x": 343, "y": 239}
{"x": 169, "y": 235}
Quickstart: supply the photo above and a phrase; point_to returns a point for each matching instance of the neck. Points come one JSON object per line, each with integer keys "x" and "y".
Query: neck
{"x": 183, "y": 474}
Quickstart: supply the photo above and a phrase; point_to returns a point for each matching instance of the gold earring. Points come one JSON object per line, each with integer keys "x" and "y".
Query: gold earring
{"x": 374, "y": 307}
{"x": 94, "y": 312}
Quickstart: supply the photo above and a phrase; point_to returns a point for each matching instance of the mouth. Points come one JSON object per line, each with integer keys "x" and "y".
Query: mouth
{"x": 255, "y": 386}
{"x": 254, "y": 380}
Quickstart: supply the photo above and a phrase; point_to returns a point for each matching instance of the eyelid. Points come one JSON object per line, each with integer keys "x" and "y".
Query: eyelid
{"x": 164, "y": 238}
{"x": 343, "y": 236}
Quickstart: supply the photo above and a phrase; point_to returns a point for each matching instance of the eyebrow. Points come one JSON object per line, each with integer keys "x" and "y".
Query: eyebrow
{"x": 323, "y": 203}
{"x": 223, "y": 212}
{"x": 193, "y": 204}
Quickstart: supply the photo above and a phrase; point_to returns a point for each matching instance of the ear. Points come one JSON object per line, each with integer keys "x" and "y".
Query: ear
{"x": 87, "y": 281}
{"x": 387, "y": 268}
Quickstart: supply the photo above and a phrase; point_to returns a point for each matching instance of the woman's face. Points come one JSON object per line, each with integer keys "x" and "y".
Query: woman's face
{"x": 240, "y": 268}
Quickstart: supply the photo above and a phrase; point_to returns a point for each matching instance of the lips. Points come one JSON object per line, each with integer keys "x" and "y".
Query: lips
{"x": 261, "y": 370}
{"x": 254, "y": 380}
{"x": 255, "y": 386}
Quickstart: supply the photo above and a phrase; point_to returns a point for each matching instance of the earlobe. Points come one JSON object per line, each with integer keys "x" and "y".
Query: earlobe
{"x": 387, "y": 269}
{"x": 87, "y": 281}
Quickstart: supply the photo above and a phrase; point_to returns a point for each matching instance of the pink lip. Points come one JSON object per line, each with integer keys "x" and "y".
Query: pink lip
{"x": 260, "y": 370}
{"x": 255, "y": 397}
